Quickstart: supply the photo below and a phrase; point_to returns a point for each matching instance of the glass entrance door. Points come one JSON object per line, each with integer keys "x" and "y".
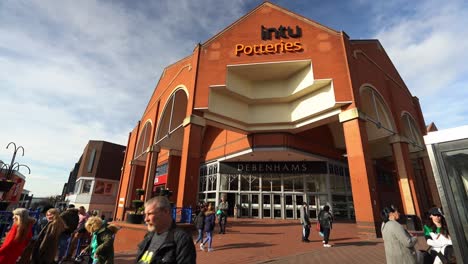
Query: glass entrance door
{"x": 314, "y": 206}
{"x": 250, "y": 205}
{"x": 266, "y": 206}
{"x": 316, "y": 203}
{"x": 299, "y": 201}
{"x": 271, "y": 206}
{"x": 254, "y": 205}
{"x": 277, "y": 206}
{"x": 289, "y": 205}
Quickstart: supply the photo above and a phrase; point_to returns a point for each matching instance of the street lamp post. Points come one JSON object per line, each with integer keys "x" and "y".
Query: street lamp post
{"x": 13, "y": 166}
{"x": 9, "y": 169}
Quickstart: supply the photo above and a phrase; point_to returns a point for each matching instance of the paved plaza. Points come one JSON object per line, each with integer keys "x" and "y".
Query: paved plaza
{"x": 272, "y": 241}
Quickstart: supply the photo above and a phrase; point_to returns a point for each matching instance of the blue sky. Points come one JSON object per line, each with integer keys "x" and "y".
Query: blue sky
{"x": 73, "y": 71}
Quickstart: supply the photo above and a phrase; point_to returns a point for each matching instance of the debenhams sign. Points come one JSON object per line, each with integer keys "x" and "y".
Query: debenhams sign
{"x": 273, "y": 167}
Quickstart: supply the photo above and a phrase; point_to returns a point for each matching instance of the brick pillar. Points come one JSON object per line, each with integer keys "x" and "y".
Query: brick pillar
{"x": 150, "y": 171}
{"x": 362, "y": 175}
{"x": 405, "y": 173}
{"x": 190, "y": 161}
{"x": 173, "y": 172}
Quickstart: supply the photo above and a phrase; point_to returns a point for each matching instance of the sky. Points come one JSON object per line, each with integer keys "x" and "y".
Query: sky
{"x": 74, "y": 71}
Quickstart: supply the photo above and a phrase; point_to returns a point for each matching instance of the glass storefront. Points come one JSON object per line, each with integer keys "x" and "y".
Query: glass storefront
{"x": 277, "y": 190}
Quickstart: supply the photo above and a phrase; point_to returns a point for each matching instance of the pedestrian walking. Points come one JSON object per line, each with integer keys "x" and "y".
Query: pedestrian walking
{"x": 200, "y": 224}
{"x": 164, "y": 242}
{"x": 70, "y": 219}
{"x": 101, "y": 248}
{"x": 326, "y": 223}
{"x": 222, "y": 213}
{"x": 46, "y": 246}
{"x": 209, "y": 227}
{"x": 398, "y": 243}
{"x": 305, "y": 222}
{"x": 79, "y": 234}
{"x": 18, "y": 237}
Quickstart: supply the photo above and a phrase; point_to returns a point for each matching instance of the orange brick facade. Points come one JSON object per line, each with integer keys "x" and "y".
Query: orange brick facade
{"x": 333, "y": 100}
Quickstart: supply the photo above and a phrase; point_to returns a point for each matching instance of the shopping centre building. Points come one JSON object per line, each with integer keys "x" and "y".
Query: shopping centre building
{"x": 277, "y": 110}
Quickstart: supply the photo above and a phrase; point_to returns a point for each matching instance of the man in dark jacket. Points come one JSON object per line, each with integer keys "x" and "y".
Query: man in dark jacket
{"x": 70, "y": 218}
{"x": 164, "y": 243}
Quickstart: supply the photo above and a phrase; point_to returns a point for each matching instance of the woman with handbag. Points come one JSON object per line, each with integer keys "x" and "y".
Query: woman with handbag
{"x": 18, "y": 238}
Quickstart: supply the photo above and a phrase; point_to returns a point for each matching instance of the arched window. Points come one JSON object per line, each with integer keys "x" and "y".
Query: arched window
{"x": 144, "y": 140}
{"x": 169, "y": 133}
{"x": 380, "y": 123}
{"x": 411, "y": 132}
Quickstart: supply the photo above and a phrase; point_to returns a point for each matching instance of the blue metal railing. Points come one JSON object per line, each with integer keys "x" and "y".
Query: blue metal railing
{"x": 6, "y": 220}
{"x": 182, "y": 214}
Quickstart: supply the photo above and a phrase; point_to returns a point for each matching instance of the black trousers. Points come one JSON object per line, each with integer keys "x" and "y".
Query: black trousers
{"x": 305, "y": 232}
{"x": 326, "y": 234}
{"x": 222, "y": 223}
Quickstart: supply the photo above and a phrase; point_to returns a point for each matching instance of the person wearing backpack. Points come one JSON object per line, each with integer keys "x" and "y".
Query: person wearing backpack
{"x": 70, "y": 219}
{"x": 101, "y": 247}
{"x": 326, "y": 220}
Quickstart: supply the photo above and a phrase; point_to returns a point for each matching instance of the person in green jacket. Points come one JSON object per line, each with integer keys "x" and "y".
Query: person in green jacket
{"x": 102, "y": 241}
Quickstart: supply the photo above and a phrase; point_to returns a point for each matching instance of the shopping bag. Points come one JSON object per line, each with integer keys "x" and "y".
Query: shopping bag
{"x": 317, "y": 226}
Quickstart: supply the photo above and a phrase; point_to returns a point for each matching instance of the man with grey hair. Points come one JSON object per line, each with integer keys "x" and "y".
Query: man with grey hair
{"x": 164, "y": 243}
{"x": 222, "y": 213}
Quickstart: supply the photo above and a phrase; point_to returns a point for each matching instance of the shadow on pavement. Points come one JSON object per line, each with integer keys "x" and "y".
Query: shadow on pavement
{"x": 260, "y": 224}
{"x": 257, "y": 233}
{"x": 342, "y": 238}
{"x": 125, "y": 259}
{"x": 357, "y": 243}
{"x": 243, "y": 245}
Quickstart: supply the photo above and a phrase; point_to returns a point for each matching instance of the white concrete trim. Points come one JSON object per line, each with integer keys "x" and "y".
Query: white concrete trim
{"x": 446, "y": 135}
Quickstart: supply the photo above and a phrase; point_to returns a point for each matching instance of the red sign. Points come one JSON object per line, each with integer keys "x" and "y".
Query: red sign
{"x": 161, "y": 179}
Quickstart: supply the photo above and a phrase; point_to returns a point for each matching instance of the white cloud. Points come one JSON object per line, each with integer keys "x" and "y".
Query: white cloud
{"x": 75, "y": 71}
{"x": 428, "y": 47}
{"x": 72, "y": 71}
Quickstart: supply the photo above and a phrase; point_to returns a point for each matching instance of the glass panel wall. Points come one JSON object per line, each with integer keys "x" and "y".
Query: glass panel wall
{"x": 280, "y": 195}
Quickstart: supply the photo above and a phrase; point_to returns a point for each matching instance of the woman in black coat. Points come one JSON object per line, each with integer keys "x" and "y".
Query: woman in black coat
{"x": 200, "y": 224}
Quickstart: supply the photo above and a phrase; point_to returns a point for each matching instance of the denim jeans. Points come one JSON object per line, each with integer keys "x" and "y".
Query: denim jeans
{"x": 64, "y": 241}
{"x": 200, "y": 236}
{"x": 208, "y": 238}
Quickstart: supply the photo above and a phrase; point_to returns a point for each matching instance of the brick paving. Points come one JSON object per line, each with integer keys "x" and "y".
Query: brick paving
{"x": 270, "y": 241}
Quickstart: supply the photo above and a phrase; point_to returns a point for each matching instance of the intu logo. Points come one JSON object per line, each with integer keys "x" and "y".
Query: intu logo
{"x": 280, "y": 32}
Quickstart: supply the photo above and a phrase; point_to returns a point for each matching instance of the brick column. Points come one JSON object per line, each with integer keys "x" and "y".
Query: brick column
{"x": 190, "y": 161}
{"x": 150, "y": 171}
{"x": 152, "y": 159}
{"x": 362, "y": 175}
{"x": 405, "y": 175}
{"x": 173, "y": 172}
